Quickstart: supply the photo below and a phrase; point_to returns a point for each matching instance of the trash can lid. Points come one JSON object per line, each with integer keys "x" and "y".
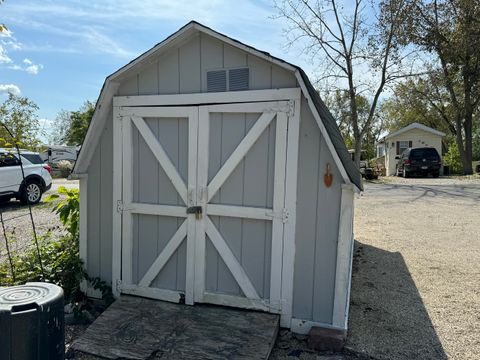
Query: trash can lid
{"x": 34, "y": 292}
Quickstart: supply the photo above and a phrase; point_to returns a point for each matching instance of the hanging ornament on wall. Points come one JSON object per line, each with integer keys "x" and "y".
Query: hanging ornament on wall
{"x": 328, "y": 177}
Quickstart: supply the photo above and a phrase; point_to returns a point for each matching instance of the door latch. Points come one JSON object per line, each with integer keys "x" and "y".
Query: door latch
{"x": 197, "y": 210}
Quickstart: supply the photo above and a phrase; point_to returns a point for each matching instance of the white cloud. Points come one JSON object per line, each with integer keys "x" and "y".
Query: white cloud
{"x": 34, "y": 69}
{"x": 4, "y": 58}
{"x": 29, "y": 67}
{"x": 9, "y": 88}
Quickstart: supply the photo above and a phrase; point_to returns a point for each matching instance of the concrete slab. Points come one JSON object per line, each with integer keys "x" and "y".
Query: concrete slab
{"x": 138, "y": 328}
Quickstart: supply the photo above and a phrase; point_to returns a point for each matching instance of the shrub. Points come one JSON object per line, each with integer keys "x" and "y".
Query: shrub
{"x": 453, "y": 160}
{"x": 65, "y": 167}
{"x": 60, "y": 258}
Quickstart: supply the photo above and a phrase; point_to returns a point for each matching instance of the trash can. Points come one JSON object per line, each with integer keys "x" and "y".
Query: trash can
{"x": 32, "y": 322}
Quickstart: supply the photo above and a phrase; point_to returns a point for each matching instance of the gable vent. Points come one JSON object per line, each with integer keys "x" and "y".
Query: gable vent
{"x": 228, "y": 80}
{"x": 217, "y": 81}
{"x": 238, "y": 79}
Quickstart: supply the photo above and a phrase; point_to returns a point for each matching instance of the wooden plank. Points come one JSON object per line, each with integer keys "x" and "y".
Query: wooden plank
{"x": 155, "y": 112}
{"x": 117, "y": 196}
{"x": 278, "y": 207}
{"x": 164, "y": 256}
{"x": 239, "y": 302}
{"x": 138, "y": 328}
{"x": 127, "y": 188}
{"x": 290, "y": 204}
{"x": 344, "y": 258}
{"x": 161, "y": 156}
{"x": 153, "y": 293}
{"x": 257, "y": 107}
{"x": 239, "y": 153}
{"x": 231, "y": 261}
{"x": 157, "y": 209}
{"x": 191, "y": 220}
{"x": 245, "y": 212}
{"x": 208, "y": 98}
{"x": 202, "y": 179}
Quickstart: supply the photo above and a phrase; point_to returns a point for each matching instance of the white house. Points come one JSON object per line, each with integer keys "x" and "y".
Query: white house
{"x": 212, "y": 172}
{"x": 414, "y": 135}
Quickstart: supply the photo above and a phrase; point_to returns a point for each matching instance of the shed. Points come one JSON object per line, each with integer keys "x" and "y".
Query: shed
{"x": 212, "y": 172}
{"x": 413, "y": 136}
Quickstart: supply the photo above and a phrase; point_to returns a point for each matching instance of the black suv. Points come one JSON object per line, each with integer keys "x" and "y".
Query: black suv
{"x": 422, "y": 161}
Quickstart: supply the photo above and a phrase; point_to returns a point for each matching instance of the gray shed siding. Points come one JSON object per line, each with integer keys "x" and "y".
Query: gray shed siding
{"x": 318, "y": 211}
{"x": 183, "y": 70}
{"x": 100, "y": 204}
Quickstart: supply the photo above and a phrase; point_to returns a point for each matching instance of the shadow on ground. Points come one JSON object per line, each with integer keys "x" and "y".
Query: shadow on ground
{"x": 388, "y": 319}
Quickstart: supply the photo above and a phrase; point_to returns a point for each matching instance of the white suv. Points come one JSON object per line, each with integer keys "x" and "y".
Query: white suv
{"x": 13, "y": 185}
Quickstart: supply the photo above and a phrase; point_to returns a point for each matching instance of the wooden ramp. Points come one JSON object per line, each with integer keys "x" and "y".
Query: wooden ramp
{"x": 138, "y": 328}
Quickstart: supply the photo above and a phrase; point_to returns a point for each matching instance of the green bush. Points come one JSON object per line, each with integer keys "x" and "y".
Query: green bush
{"x": 453, "y": 160}
{"x": 60, "y": 258}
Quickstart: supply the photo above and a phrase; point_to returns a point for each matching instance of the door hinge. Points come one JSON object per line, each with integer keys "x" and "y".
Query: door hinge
{"x": 274, "y": 306}
{"x": 119, "y": 206}
{"x": 291, "y": 108}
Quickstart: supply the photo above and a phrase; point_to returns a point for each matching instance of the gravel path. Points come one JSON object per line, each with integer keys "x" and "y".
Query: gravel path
{"x": 18, "y": 224}
{"x": 416, "y": 283}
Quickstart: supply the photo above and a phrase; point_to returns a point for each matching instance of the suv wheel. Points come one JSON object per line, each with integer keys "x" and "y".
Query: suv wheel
{"x": 31, "y": 193}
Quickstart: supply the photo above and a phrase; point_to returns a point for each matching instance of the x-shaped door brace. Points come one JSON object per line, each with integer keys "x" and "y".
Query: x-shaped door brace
{"x": 225, "y": 171}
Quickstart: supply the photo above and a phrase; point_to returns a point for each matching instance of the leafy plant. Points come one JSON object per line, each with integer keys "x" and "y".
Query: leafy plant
{"x": 60, "y": 258}
{"x": 453, "y": 160}
{"x": 68, "y": 209}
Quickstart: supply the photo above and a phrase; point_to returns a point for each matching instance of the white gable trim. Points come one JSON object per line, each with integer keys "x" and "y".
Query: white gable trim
{"x": 110, "y": 87}
{"x": 104, "y": 104}
{"x": 415, "y": 126}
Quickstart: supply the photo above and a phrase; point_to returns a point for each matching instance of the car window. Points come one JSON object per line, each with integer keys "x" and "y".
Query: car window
{"x": 8, "y": 159}
{"x": 33, "y": 158}
{"x": 428, "y": 153}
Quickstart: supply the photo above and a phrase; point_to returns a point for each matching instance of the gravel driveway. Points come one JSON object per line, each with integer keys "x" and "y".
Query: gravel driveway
{"x": 18, "y": 224}
{"x": 416, "y": 283}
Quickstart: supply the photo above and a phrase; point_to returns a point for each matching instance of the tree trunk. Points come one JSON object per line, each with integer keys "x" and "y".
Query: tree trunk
{"x": 358, "y": 151}
{"x": 467, "y": 155}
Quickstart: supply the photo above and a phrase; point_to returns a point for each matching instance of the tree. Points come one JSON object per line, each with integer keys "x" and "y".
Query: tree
{"x": 71, "y": 126}
{"x": 339, "y": 106}
{"x": 360, "y": 49}
{"x": 449, "y": 30}
{"x": 19, "y": 114}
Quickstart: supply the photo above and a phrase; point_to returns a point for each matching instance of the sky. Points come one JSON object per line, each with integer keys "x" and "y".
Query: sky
{"x": 58, "y": 53}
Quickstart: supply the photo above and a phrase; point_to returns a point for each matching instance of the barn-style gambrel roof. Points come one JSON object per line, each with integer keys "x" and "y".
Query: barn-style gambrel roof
{"x": 322, "y": 115}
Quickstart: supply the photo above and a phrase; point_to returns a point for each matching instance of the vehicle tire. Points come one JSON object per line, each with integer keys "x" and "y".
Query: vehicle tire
{"x": 436, "y": 174}
{"x": 31, "y": 193}
{"x": 4, "y": 200}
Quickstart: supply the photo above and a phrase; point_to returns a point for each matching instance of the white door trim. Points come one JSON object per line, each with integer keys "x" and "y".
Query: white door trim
{"x": 208, "y": 98}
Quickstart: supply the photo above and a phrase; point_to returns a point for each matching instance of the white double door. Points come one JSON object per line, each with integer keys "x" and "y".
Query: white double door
{"x": 203, "y": 203}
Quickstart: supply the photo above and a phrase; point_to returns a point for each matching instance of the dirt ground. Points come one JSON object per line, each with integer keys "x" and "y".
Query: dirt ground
{"x": 416, "y": 282}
